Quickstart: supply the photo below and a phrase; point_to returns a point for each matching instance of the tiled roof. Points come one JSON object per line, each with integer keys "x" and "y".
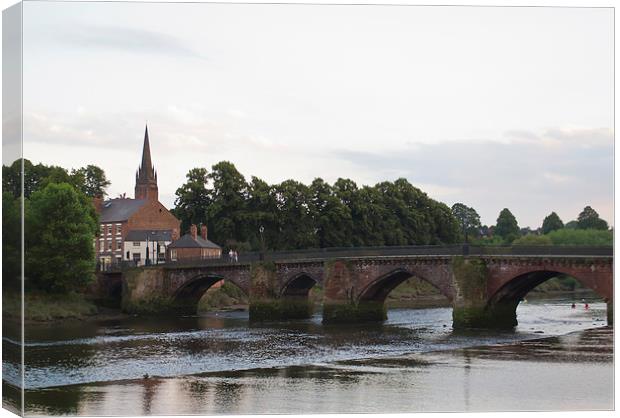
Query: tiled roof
{"x": 117, "y": 210}
{"x": 187, "y": 241}
{"x": 152, "y": 234}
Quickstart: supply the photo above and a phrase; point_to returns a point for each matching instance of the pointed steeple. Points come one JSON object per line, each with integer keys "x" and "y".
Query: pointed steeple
{"x": 146, "y": 179}
{"x": 146, "y": 168}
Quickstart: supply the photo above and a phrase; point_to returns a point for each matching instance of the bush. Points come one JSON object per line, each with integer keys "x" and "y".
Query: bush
{"x": 534, "y": 240}
{"x": 581, "y": 237}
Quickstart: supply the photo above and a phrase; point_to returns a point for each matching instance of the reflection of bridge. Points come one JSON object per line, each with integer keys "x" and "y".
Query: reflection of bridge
{"x": 484, "y": 284}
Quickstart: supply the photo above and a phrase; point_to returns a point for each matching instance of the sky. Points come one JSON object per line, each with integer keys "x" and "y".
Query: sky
{"x": 492, "y": 107}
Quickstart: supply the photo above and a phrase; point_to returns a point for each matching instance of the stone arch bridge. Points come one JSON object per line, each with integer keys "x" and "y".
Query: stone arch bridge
{"x": 483, "y": 284}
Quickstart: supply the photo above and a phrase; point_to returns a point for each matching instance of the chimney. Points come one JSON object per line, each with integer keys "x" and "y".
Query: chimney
{"x": 98, "y": 203}
{"x": 193, "y": 230}
{"x": 203, "y": 232}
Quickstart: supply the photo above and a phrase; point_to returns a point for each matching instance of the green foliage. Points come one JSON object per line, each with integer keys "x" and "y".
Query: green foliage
{"x": 227, "y": 210}
{"x": 295, "y": 216}
{"x": 468, "y": 219}
{"x": 90, "y": 180}
{"x": 551, "y": 223}
{"x": 192, "y": 199}
{"x": 592, "y": 237}
{"x": 589, "y": 219}
{"x": 532, "y": 239}
{"x": 11, "y": 241}
{"x": 571, "y": 225}
{"x": 507, "y": 226}
{"x": 60, "y": 228}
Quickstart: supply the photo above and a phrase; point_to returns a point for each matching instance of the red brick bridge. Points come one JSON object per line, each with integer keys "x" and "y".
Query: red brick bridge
{"x": 483, "y": 284}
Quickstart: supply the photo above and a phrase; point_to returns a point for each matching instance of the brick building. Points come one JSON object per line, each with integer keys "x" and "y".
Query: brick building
{"x": 192, "y": 246}
{"x": 136, "y": 229}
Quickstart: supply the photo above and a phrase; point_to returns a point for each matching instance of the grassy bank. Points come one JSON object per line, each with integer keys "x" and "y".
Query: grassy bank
{"x": 47, "y": 307}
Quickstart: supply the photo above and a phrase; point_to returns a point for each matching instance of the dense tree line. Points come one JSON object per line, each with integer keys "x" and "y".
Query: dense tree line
{"x": 60, "y": 225}
{"x": 297, "y": 216}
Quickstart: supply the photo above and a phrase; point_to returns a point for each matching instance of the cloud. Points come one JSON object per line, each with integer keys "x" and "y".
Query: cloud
{"x": 523, "y": 173}
{"x": 120, "y": 38}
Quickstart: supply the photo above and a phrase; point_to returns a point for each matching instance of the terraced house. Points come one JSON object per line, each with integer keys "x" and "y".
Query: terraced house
{"x": 139, "y": 229}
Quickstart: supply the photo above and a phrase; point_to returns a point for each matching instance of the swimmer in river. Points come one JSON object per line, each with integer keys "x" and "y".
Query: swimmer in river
{"x": 573, "y": 306}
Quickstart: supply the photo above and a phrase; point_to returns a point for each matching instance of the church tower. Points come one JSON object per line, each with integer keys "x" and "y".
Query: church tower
{"x": 146, "y": 177}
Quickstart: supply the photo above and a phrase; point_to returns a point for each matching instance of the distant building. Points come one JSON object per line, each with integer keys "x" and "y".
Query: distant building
{"x": 192, "y": 246}
{"x": 126, "y": 224}
{"x": 139, "y": 241}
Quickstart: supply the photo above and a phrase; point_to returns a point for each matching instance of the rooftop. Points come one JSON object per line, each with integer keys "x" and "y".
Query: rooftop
{"x": 187, "y": 241}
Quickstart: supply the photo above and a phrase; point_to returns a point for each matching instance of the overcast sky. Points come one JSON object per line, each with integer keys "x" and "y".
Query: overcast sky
{"x": 492, "y": 107}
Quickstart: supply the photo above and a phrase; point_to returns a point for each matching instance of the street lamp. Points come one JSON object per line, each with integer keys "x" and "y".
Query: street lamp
{"x": 262, "y": 242}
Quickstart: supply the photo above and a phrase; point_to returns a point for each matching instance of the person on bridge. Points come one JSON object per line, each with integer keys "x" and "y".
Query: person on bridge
{"x": 230, "y": 255}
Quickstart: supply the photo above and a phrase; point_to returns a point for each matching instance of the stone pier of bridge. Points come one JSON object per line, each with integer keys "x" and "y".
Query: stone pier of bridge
{"x": 484, "y": 291}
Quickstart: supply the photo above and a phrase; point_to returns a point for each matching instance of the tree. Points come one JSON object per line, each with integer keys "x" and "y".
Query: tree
{"x": 90, "y": 180}
{"x": 552, "y": 223}
{"x": 192, "y": 199}
{"x": 589, "y": 219}
{"x": 507, "y": 226}
{"x": 227, "y": 210}
{"x": 295, "y": 224}
{"x": 60, "y": 228}
{"x": 331, "y": 218}
{"x": 11, "y": 241}
{"x": 571, "y": 225}
{"x": 468, "y": 219}
{"x": 262, "y": 207}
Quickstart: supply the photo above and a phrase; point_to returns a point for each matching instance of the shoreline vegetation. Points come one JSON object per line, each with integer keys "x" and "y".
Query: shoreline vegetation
{"x": 413, "y": 293}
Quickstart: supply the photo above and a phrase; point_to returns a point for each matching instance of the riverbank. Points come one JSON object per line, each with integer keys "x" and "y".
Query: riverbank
{"x": 568, "y": 372}
{"x": 49, "y": 308}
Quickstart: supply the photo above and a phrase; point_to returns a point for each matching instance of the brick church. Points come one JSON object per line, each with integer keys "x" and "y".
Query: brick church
{"x": 139, "y": 229}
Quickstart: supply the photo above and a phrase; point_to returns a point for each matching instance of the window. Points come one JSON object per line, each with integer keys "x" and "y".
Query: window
{"x": 136, "y": 243}
{"x": 109, "y": 245}
{"x": 119, "y": 245}
{"x": 119, "y": 229}
{"x": 136, "y": 256}
{"x": 109, "y": 229}
{"x": 173, "y": 255}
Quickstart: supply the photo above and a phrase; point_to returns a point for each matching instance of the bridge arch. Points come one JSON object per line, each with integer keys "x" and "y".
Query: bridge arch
{"x": 503, "y": 301}
{"x": 378, "y": 289}
{"x": 298, "y": 285}
{"x": 187, "y": 296}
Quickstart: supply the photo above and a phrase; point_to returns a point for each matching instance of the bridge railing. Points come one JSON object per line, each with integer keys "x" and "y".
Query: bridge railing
{"x": 394, "y": 251}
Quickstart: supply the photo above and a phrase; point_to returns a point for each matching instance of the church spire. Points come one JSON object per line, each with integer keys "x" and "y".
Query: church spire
{"x": 146, "y": 167}
{"x": 146, "y": 179}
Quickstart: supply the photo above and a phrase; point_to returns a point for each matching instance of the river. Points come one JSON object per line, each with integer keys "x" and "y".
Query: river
{"x": 558, "y": 358}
